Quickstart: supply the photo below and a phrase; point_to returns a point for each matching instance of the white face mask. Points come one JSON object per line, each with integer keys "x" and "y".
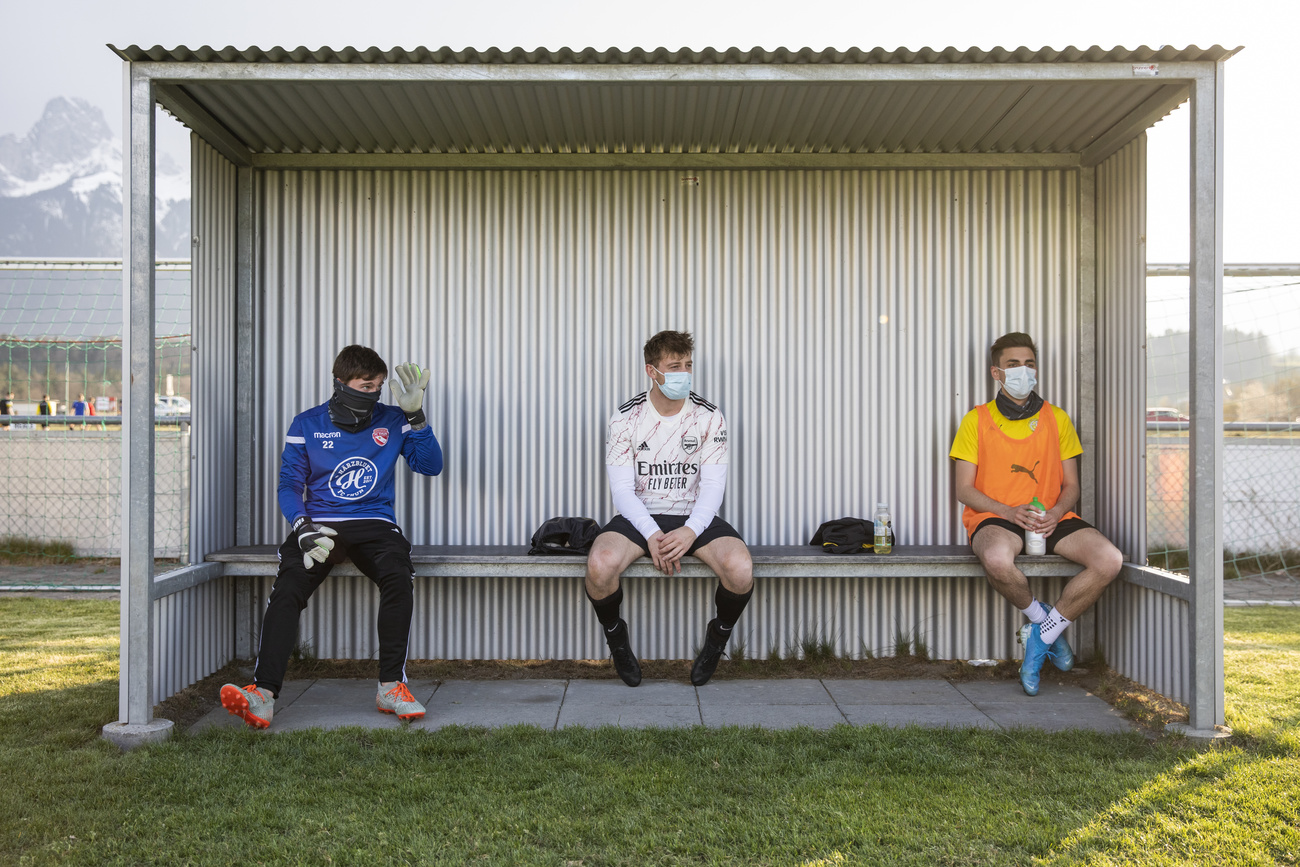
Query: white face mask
{"x": 1018, "y": 382}
{"x": 676, "y": 385}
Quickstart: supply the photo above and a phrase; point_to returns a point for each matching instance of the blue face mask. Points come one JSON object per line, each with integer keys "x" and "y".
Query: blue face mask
{"x": 676, "y": 385}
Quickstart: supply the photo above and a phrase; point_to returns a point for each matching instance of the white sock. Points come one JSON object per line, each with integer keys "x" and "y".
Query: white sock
{"x": 1053, "y": 626}
{"x": 1036, "y": 612}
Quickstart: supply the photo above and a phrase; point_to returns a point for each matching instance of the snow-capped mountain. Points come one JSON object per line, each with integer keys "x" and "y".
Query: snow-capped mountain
{"x": 61, "y": 189}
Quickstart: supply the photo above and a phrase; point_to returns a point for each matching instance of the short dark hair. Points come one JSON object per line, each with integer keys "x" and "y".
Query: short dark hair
{"x": 668, "y": 343}
{"x": 1010, "y": 341}
{"x": 358, "y": 362}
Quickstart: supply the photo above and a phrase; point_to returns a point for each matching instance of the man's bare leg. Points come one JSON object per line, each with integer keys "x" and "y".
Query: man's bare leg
{"x": 997, "y": 547}
{"x": 1101, "y": 562}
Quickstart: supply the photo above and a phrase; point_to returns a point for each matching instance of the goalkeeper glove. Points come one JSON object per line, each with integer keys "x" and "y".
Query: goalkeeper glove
{"x": 314, "y": 540}
{"x": 408, "y": 390}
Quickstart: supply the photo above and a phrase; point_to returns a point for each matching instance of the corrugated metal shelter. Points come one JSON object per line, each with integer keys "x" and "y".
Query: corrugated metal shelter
{"x": 845, "y": 233}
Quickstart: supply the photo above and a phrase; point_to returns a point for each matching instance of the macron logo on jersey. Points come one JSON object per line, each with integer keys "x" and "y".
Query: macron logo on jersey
{"x": 354, "y": 478}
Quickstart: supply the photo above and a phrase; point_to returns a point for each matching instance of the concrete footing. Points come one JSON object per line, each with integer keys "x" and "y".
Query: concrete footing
{"x": 128, "y": 736}
{"x": 1214, "y": 734}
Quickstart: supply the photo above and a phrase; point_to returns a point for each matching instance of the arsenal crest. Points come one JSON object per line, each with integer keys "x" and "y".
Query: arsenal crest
{"x": 381, "y": 435}
{"x": 690, "y": 444}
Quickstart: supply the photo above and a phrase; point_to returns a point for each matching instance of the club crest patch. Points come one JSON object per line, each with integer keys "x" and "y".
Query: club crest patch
{"x": 380, "y": 435}
{"x": 690, "y": 443}
{"x": 353, "y": 479}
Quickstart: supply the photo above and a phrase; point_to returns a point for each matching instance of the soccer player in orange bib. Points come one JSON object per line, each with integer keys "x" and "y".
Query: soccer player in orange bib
{"x": 1007, "y": 452}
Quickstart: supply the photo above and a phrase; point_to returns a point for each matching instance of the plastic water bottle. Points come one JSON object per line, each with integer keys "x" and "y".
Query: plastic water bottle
{"x": 1036, "y": 543}
{"x": 883, "y": 524}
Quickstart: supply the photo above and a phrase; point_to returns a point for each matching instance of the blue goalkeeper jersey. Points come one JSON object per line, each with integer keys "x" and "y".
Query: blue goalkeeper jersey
{"x": 329, "y": 474}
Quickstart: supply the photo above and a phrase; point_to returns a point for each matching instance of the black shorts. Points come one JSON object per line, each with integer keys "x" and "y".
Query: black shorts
{"x": 718, "y": 529}
{"x": 1063, "y": 529}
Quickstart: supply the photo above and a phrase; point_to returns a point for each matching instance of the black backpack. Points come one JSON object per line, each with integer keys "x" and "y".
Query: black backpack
{"x": 847, "y": 536}
{"x": 565, "y": 536}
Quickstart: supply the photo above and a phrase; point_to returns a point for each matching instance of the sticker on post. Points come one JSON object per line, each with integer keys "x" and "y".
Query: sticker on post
{"x": 1148, "y": 69}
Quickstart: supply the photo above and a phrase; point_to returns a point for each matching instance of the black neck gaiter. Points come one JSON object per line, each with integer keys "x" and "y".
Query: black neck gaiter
{"x": 1014, "y": 411}
{"x": 352, "y": 410}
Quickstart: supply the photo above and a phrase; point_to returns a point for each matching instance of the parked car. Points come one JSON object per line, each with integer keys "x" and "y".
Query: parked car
{"x": 1165, "y": 413}
{"x": 170, "y": 405}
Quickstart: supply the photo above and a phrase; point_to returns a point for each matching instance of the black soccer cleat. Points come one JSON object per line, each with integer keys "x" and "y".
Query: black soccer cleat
{"x": 620, "y": 651}
{"x": 707, "y": 662}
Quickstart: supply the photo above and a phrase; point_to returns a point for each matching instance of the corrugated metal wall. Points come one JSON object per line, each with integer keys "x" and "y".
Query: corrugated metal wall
{"x": 841, "y": 317}
{"x": 194, "y": 635}
{"x": 548, "y": 617}
{"x": 212, "y": 491}
{"x": 1145, "y": 635}
{"x": 194, "y": 630}
{"x": 1121, "y": 349}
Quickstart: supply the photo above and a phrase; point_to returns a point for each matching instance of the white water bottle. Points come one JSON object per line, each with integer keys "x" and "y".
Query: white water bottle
{"x": 883, "y": 544}
{"x": 1036, "y": 543}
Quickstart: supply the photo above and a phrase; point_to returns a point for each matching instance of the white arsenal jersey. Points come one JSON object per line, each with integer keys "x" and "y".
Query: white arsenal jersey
{"x": 666, "y": 452}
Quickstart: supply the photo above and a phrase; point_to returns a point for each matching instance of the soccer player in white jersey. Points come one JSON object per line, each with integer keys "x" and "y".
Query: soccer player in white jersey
{"x": 666, "y": 455}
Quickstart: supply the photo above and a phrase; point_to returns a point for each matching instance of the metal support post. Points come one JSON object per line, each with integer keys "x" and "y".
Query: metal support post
{"x": 1205, "y": 518}
{"x": 136, "y": 724}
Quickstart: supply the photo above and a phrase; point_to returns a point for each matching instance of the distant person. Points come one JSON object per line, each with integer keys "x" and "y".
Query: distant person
{"x": 7, "y": 406}
{"x": 666, "y": 458}
{"x": 45, "y": 408}
{"x": 336, "y": 492}
{"x": 80, "y": 407}
{"x": 1008, "y": 452}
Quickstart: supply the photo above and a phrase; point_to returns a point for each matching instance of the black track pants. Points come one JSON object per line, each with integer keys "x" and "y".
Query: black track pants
{"x": 382, "y": 553}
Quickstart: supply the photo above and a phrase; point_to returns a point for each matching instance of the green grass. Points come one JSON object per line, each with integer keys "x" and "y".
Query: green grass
{"x": 596, "y": 797}
{"x": 27, "y": 551}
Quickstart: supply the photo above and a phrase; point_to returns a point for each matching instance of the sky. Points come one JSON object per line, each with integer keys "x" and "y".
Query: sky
{"x": 57, "y": 48}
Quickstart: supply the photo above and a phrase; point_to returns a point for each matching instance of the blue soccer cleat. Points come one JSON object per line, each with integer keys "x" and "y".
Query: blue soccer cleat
{"x": 1036, "y": 653}
{"x": 1062, "y": 656}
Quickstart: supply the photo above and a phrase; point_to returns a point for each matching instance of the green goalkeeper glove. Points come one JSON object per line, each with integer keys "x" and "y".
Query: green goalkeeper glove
{"x": 408, "y": 390}
{"x": 314, "y": 540}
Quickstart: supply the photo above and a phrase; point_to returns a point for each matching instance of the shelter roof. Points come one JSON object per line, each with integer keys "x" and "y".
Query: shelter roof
{"x": 290, "y": 107}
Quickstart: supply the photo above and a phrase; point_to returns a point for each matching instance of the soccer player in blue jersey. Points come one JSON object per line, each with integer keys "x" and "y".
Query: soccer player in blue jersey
{"x": 336, "y": 492}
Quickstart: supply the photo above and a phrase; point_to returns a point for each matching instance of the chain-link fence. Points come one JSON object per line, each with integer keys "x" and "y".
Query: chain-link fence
{"x": 61, "y": 375}
{"x": 1261, "y": 410}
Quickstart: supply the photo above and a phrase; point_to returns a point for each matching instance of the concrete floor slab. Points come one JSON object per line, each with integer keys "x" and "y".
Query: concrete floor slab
{"x": 1031, "y": 714}
{"x": 492, "y": 714}
{"x": 795, "y": 691}
{"x": 528, "y": 692}
{"x": 768, "y": 716}
{"x": 339, "y": 716}
{"x": 660, "y": 693}
{"x": 963, "y": 715}
{"x": 629, "y": 715}
{"x": 1010, "y": 690}
{"x": 905, "y": 692}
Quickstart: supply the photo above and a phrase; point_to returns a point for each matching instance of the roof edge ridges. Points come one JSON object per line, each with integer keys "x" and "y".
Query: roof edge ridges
{"x": 664, "y": 55}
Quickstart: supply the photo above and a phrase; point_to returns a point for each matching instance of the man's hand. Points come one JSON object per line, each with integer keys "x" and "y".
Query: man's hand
{"x": 314, "y": 540}
{"x": 408, "y": 390}
{"x": 667, "y": 549}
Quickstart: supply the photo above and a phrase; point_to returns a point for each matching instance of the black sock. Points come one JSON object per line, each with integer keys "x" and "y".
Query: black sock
{"x": 730, "y": 605}
{"x": 607, "y": 608}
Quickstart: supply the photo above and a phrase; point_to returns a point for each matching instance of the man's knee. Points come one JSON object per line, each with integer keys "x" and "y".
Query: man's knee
{"x": 603, "y": 571}
{"x": 736, "y": 571}
{"x": 1109, "y": 561}
{"x": 999, "y": 562}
